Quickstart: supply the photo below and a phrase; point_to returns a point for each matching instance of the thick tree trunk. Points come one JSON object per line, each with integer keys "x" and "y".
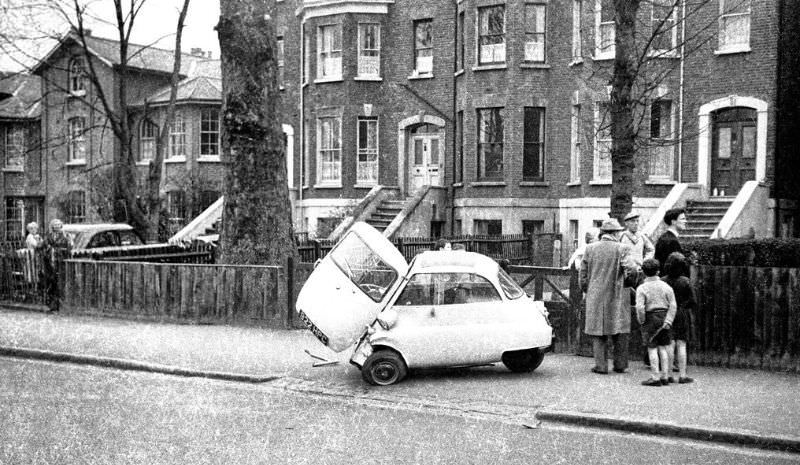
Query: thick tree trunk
{"x": 623, "y": 133}
{"x": 256, "y": 221}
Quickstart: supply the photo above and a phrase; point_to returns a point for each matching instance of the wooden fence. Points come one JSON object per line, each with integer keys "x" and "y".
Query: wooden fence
{"x": 198, "y": 293}
{"x": 747, "y": 317}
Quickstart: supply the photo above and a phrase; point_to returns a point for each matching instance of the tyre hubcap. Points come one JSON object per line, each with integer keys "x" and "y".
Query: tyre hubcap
{"x": 384, "y": 372}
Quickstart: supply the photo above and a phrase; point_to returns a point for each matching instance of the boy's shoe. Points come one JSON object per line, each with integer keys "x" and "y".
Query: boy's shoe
{"x": 663, "y": 381}
{"x": 651, "y": 382}
{"x": 619, "y": 370}
{"x": 671, "y": 380}
{"x": 599, "y": 371}
{"x": 685, "y": 380}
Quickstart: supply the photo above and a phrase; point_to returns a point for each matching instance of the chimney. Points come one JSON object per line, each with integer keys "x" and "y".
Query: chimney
{"x": 198, "y": 52}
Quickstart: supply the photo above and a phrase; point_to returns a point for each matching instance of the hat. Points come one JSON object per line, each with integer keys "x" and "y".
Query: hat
{"x": 611, "y": 226}
{"x": 631, "y": 216}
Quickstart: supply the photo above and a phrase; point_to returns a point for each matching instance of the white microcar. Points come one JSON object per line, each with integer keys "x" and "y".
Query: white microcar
{"x": 447, "y": 308}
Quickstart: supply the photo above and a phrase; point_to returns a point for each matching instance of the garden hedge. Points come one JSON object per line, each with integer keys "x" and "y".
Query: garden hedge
{"x": 784, "y": 253}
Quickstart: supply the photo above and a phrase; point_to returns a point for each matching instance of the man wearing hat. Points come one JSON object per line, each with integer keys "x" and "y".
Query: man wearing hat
{"x": 641, "y": 246}
{"x": 608, "y": 312}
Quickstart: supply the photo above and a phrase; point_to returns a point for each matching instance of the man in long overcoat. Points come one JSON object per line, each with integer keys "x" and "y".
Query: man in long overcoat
{"x": 608, "y": 311}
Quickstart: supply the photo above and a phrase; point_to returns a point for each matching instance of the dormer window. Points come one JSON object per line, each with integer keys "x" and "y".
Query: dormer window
{"x": 77, "y": 78}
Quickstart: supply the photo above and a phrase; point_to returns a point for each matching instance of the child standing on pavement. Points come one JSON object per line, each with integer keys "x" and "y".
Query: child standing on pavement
{"x": 655, "y": 310}
{"x": 676, "y": 271}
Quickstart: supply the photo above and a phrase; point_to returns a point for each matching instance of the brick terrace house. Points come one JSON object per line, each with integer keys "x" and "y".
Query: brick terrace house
{"x": 501, "y": 105}
{"x": 23, "y": 189}
{"x": 475, "y": 116}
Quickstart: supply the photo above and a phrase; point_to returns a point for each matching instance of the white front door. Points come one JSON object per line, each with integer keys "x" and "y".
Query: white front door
{"x": 426, "y": 161}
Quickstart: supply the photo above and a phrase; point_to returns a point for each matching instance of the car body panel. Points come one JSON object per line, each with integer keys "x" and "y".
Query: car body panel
{"x": 350, "y": 286}
{"x": 99, "y": 235}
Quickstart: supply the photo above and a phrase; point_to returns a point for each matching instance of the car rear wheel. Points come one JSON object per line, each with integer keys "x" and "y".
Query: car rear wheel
{"x": 383, "y": 368}
{"x": 522, "y": 361}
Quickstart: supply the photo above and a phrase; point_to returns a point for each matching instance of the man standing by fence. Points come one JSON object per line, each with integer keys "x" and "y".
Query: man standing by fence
{"x": 608, "y": 314}
{"x": 57, "y": 247}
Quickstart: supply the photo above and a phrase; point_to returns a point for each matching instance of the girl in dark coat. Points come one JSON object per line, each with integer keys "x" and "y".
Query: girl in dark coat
{"x": 677, "y": 271}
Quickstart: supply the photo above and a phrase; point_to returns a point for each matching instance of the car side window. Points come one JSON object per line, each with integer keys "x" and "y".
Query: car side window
{"x": 102, "y": 239}
{"x": 418, "y": 291}
{"x": 476, "y": 289}
{"x": 129, "y": 238}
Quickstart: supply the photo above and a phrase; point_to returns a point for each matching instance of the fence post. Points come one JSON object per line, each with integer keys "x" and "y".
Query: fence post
{"x": 401, "y": 247}
{"x": 531, "y": 248}
{"x": 317, "y": 250}
{"x": 289, "y": 291}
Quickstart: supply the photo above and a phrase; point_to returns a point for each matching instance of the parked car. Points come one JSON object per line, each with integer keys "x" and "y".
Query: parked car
{"x": 93, "y": 236}
{"x": 445, "y": 308}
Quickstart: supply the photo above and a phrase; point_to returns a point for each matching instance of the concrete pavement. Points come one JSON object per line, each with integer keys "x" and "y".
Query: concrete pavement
{"x": 745, "y": 407}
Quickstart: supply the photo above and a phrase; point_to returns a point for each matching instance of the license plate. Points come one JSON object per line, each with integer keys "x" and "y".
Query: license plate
{"x": 314, "y": 330}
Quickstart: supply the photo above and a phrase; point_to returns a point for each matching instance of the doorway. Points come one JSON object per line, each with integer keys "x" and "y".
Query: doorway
{"x": 733, "y": 150}
{"x": 426, "y": 157}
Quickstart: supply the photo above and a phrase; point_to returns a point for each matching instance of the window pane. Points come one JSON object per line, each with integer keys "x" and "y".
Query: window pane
{"x": 749, "y": 142}
{"x": 724, "y": 143}
{"x": 434, "y": 151}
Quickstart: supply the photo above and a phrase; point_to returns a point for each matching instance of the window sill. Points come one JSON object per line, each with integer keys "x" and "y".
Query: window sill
{"x": 81, "y": 162}
{"x": 577, "y": 182}
{"x": 575, "y": 62}
{"x": 368, "y": 78}
{"x": 281, "y": 88}
{"x": 534, "y": 184}
{"x": 364, "y": 186}
{"x": 327, "y": 80}
{"x": 13, "y": 169}
{"x": 660, "y": 182}
{"x": 534, "y": 66}
{"x": 489, "y": 67}
{"x": 603, "y": 56}
{"x": 488, "y": 184}
{"x": 415, "y": 77}
{"x": 733, "y": 50}
{"x": 458, "y": 184}
{"x": 77, "y": 93}
{"x": 175, "y": 160}
{"x": 458, "y": 73}
{"x": 328, "y": 186}
{"x": 208, "y": 159}
{"x": 143, "y": 163}
{"x": 600, "y": 182}
{"x": 663, "y": 54}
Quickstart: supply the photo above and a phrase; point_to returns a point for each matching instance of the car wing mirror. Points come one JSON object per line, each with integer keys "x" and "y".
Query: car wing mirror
{"x": 433, "y": 312}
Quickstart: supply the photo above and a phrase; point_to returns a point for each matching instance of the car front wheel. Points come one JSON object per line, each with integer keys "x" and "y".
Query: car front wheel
{"x": 383, "y": 368}
{"x": 521, "y": 361}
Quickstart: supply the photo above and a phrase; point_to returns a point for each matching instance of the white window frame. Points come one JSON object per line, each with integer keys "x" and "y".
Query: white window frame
{"x": 329, "y": 152}
{"x": 668, "y": 27}
{"x": 577, "y": 36}
{"x": 369, "y": 59}
{"x": 76, "y": 147}
{"x": 367, "y": 170}
{"x": 77, "y": 78}
{"x": 576, "y": 144}
{"x": 601, "y": 166}
{"x": 535, "y": 49}
{"x": 176, "y": 205}
{"x": 76, "y": 209}
{"x": 281, "y": 57}
{"x": 329, "y": 57}
{"x": 177, "y": 139}
{"x": 663, "y": 146}
{"x": 423, "y": 57}
{"x": 484, "y": 138}
{"x": 497, "y": 50}
{"x": 600, "y": 27}
{"x": 14, "y": 144}
{"x": 147, "y": 141}
{"x": 742, "y": 45}
{"x": 204, "y": 118}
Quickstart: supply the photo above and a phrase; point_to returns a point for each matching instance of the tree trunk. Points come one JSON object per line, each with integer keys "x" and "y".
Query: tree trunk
{"x": 623, "y": 133}
{"x": 256, "y": 221}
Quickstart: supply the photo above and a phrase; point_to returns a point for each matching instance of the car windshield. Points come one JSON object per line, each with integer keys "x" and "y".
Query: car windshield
{"x": 510, "y": 287}
{"x": 363, "y": 266}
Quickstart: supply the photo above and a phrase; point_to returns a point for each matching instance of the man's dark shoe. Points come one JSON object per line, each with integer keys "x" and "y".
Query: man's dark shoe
{"x": 664, "y": 381}
{"x": 599, "y": 371}
{"x": 671, "y": 380}
{"x": 651, "y": 382}
{"x": 619, "y": 370}
{"x": 685, "y": 380}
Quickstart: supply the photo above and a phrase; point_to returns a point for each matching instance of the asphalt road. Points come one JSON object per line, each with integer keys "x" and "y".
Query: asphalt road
{"x": 66, "y": 414}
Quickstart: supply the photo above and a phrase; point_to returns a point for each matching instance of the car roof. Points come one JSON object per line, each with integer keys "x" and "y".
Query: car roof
{"x": 83, "y": 227}
{"x": 449, "y": 259}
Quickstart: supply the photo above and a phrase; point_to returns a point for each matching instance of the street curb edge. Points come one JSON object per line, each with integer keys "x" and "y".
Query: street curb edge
{"x": 132, "y": 365}
{"x": 740, "y": 438}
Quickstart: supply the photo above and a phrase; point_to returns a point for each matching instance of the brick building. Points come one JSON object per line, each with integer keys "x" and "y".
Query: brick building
{"x": 23, "y": 188}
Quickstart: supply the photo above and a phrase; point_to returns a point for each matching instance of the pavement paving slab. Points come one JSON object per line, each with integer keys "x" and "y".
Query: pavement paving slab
{"x": 747, "y": 407}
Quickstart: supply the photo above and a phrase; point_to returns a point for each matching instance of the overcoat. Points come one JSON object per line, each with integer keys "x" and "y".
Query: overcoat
{"x": 602, "y": 275}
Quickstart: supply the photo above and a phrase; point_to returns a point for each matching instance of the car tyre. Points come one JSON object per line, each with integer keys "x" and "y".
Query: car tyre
{"x": 384, "y": 367}
{"x": 523, "y": 361}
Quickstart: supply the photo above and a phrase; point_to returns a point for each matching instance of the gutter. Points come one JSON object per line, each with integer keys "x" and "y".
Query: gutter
{"x": 680, "y": 94}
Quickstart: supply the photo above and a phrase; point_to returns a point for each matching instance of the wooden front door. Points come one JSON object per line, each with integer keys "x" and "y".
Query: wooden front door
{"x": 733, "y": 151}
{"x": 425, "y": 161}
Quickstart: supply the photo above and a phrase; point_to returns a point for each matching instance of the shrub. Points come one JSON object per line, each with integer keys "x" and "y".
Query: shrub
{"x": 783, "y": 253}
